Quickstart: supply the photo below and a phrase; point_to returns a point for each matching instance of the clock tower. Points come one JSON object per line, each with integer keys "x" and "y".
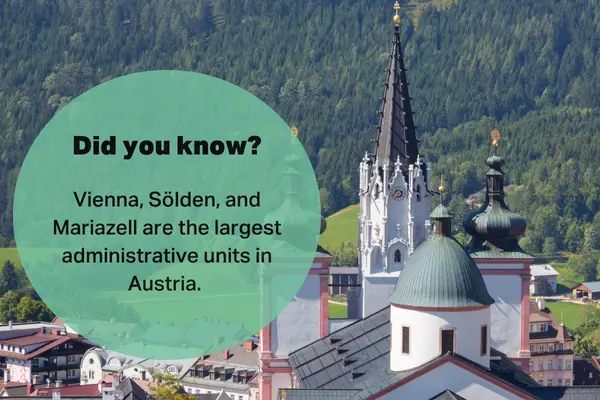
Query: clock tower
{"x": 394, "y": 193}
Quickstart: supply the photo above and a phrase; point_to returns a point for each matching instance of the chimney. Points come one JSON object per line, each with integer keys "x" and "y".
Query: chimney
{"x": 10, "y": 324}
{"x": 55, "y": 394}
{"x": 541, "y": 304}
{"x": 249, "y": 345}
{"x": 58, "y": 383}
{"x": 226, "y": 354}
{"x": 29, "y": 389}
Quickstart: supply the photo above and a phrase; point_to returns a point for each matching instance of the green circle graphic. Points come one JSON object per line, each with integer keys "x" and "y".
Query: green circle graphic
{"x": 172, "y": 179}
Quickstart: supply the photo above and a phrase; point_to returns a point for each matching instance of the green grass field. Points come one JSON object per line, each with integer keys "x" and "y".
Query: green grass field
{"x": 9, "y": 254}
{"x": 574, "y": 313}
{"x": 338, "y": 311}
{"x": 342, "y": 227}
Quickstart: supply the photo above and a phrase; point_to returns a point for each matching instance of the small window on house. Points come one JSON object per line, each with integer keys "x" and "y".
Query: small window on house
{"x": 405, "y": 340}
{"x": 397, "y": 256}
{"x": 448, "y": 341}
{"x": 484, "y": 335}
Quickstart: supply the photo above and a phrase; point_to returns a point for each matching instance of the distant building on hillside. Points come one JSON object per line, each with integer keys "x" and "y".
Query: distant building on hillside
{"x": 587, "y": 290}
{"x": 543, "y": 280}
{"x": 551, "y": 348}
{"x": 586, "y": 372}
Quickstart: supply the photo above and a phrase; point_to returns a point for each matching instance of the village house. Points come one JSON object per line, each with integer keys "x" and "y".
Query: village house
{"x": 98, "y": 363}
{"x": 543, "y": 280}
{"x": 587, "y": 291}
{"x": 44, "y": 355}
{"x": 551, "y": 348}
{"x": 234, "y": 371}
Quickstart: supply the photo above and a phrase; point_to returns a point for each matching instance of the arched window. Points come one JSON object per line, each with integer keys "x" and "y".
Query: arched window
{"x": 172, "y": 369}
{"x": 397, "y": 256}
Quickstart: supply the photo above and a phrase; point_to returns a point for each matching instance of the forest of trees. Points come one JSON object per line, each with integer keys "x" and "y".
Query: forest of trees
{"x": 18, "y": 300}
{"x": 529, "y": 67}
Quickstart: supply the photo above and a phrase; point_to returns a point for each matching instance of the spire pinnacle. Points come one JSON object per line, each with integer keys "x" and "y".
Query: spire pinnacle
{"x": 396, "y": 134}
{"x": 397, "y": 16}
{"x": 562, "y": 318}
{"x": 294, "y": 130}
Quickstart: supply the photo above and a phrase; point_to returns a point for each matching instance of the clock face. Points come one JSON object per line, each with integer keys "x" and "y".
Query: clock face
{"x": 397, "y": 194}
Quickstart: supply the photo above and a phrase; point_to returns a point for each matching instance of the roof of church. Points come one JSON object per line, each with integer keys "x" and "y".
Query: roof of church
{"x": 440, "y": 273}
{"x": 396, "y": 136}
{"x": 494, "y": 227}
{"x": 354, "y": 362}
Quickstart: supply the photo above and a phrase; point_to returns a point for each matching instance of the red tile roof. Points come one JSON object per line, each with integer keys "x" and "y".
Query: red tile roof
{"x": 31, "y": 339}
{"x": 74, "y": 390}
{"x": 43, "y": 349}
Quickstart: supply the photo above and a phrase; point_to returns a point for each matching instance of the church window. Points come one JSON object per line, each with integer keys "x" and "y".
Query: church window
{"x": 405, "y": 340}
{"x": 484, "y": 335}
{"x": 376, "y": 192}
{"x": 397, "y": 256}
{"x": 418, "y": 192}
{"x": 448, "y": 341}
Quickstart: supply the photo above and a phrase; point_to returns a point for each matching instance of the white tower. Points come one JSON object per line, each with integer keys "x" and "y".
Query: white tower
{"x": 394, "y": 194}
{"x": 440, "y": 303}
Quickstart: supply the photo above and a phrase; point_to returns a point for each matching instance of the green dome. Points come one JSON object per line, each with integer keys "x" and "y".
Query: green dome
{"x": 440, "y": 274}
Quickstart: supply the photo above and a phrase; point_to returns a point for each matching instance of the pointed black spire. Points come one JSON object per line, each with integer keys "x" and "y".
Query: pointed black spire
{"x": 396, "y": 136}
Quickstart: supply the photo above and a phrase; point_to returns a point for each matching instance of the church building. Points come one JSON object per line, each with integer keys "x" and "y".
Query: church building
{"x": 432, "y": 319}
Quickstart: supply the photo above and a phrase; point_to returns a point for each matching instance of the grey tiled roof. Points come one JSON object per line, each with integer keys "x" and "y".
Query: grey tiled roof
{"x": 440, "y": 273}
{"x": 566, "y": 393}
{"x": 593, "y": 286}
{"x": 356, "y": 359}
{"x": 396, "y": 136}
{"x": 307, "y": 394}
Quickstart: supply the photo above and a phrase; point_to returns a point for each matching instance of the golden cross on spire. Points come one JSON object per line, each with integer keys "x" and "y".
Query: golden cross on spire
{"x": 442, "y": 189}
{"x": 397, "y": 16}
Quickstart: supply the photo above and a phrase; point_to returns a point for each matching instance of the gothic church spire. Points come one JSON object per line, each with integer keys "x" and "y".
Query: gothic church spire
{"x": 396, "y": 137}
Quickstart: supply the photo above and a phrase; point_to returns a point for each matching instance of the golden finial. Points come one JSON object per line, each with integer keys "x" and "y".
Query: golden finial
{"x": 442, "y": 188}
{"x": 283, "y": 394}
{"x": 495, "y": 138}
{"x": 397, "y": 16}
{"x": 295, "y": 130}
